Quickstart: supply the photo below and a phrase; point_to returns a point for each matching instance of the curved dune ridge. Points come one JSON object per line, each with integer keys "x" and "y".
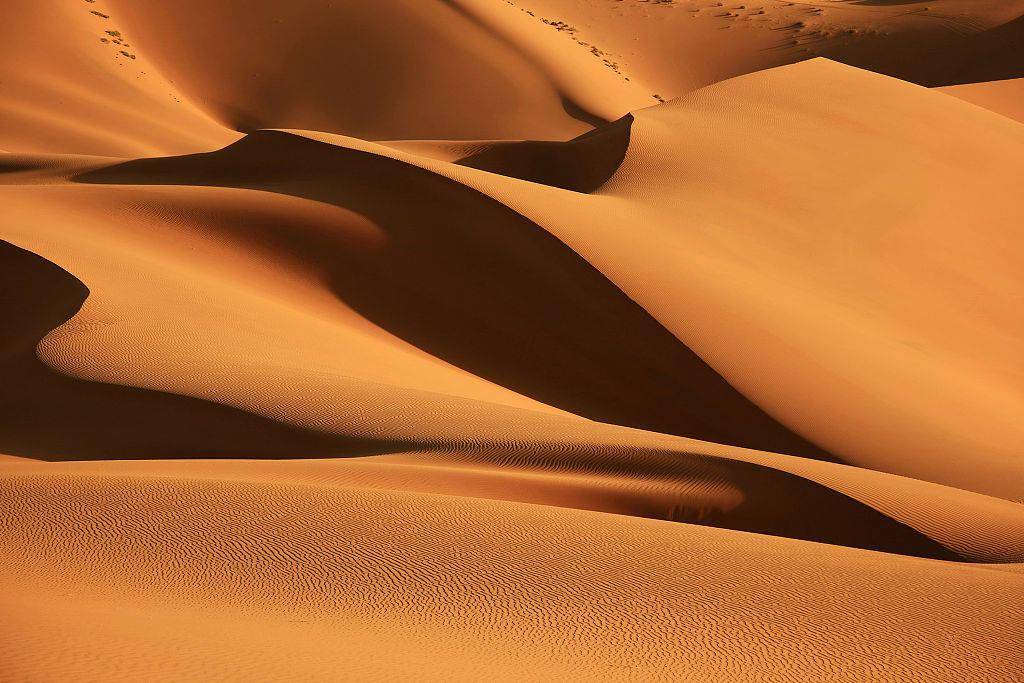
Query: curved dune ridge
{"x": 511, "y": 339}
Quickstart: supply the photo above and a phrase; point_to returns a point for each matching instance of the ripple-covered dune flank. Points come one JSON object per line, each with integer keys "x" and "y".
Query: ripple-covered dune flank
{"x": 512, "y": 340}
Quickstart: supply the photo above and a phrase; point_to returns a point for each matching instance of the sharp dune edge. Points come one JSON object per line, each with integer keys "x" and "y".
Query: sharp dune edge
{"x": 518, "y": 340}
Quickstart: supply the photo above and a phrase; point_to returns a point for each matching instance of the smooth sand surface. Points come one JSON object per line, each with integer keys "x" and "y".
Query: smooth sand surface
{"x": 513, "y": 340}
{"x": 1003, "y": 97}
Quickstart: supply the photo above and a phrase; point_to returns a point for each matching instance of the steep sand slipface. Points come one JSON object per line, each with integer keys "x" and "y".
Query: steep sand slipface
{"x": 294, "y": 405}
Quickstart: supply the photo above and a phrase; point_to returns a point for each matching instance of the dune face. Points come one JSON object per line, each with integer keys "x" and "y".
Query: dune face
{"x": 512, "y": 339}
{"x": 74, "y": 83}
{"x": 413, "y": 70}
{"x": 1003, "y": 97}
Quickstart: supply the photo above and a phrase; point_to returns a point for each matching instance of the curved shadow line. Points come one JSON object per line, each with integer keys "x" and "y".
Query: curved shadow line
{"x": 46, "y": 415}
{"x": 468, "y": 280}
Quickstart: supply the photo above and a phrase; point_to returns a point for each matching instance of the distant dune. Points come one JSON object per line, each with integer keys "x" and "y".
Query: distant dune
{"x": 518, "y": 340}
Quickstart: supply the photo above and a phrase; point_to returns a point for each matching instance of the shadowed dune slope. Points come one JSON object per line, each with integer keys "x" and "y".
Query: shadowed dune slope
{"x": 862, "y": 259}
{"x": 47, "y": 415}
{"x": 582, "y": 164}
{"x": 505, "y": 452}
{"x": 305, "y": 170}
{"x": 995, "y": 54}
{"x": 531, "y": 315}
{"x": 594, "y": 466}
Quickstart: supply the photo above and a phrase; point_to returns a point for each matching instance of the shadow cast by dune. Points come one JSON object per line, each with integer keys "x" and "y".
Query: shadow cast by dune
{"x": 470, "y": 281}
{"x": 993, "y": 55}
{"x": 50, "y": 416}
{"x": 582, "y": 164}
{"x": 772, "y": 502}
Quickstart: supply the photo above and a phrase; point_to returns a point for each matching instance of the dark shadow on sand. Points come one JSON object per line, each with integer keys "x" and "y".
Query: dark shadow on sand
{"x": 50, "y": 416}
{"x": 470, "y": 281}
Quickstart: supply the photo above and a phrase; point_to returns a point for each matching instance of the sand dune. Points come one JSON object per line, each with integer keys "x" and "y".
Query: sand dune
{"x": 742, "y": 206}
{"x": 671, "y": 48}
{"x": 511, "y": 339}
{"x": 472, "y": 80}
{"x": 1003, "y": 97}
{"x": 346, "y": 574}
{"x": 75, "y": 83}
{"x": 485, "y": 69}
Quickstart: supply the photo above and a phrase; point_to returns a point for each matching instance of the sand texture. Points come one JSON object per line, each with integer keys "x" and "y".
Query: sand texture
{"x": 462, "y": 340}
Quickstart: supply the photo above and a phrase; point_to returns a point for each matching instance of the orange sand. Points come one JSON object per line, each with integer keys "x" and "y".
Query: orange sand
{"x": 420, "y": 340}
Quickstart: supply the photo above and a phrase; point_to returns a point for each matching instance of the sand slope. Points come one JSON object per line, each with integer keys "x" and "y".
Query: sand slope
{"x": 411, "y": 69}
{"x": 852, "y": 232}
{"x": 1003, "y": 97}
{"x": 743, "y": 205}
{"x": 337, "y": 577}
{"x": 484, "y": 69}
{"x": 551, "y": 382}
{"x": 671, "y": 48}
{"x": 68, "y": 87}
